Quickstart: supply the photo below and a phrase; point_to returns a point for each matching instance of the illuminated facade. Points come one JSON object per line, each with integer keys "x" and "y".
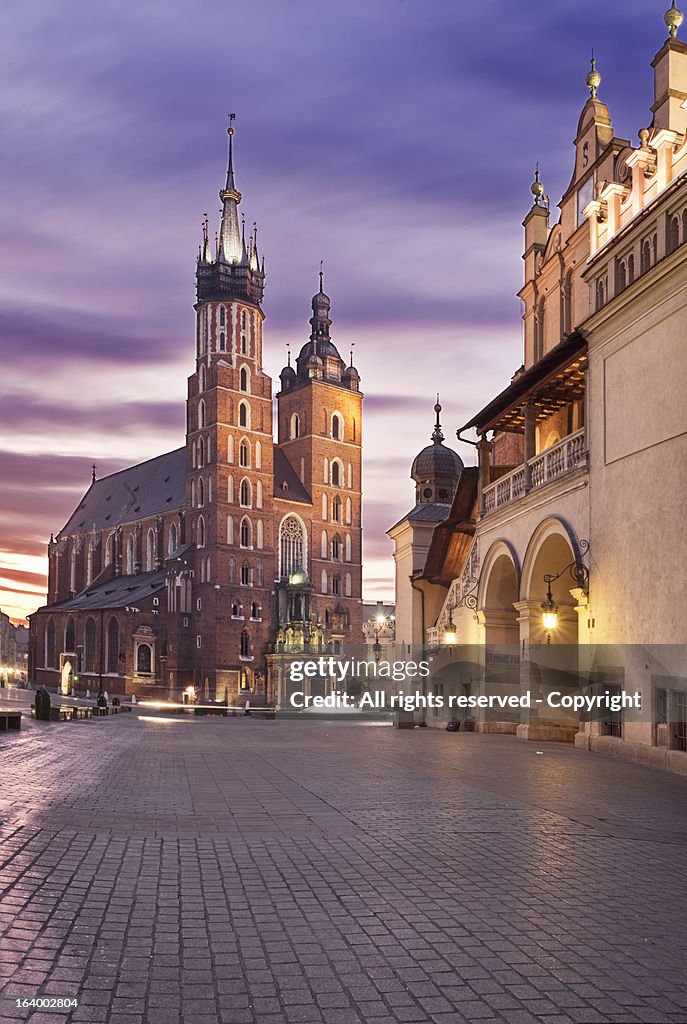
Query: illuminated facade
{"x": 180, "y": 571}
{"x": 582, "y": 472}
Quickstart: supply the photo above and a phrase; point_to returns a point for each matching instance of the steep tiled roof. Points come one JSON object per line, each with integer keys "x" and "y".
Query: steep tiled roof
{"x": 286, "y": 483}
{"x": 146, "y": 489}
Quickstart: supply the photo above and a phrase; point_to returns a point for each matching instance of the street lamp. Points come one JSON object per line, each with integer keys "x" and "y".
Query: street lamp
{"x": 579, "y": 573}
{"x": 450, "y": 632}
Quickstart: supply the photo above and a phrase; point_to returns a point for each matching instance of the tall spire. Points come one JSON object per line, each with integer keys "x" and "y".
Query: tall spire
{"x": 230, "y": 246}
{"x": 437, "y": 434}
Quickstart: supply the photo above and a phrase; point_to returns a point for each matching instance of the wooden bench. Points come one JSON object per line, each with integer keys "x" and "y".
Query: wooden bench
{"x": 9, "y": 719}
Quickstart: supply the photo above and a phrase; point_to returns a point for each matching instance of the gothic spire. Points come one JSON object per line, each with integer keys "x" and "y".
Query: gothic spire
{"x": 230, "y": 246}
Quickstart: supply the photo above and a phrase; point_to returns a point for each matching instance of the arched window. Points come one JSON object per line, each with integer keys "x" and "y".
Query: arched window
{"x": 350, "y": 475}
{"x": 245, "y": 644}
{"x": 258, "y": 494}
{"x": 222, "y": 341}
{"x": 336, "y": 585}
{"x": 255, "y": 611}
{"x": 193, "y": 494}
{"x": 337, "y": 426}
{"x": 325, "y": 545}
{"x": 243, "y": 414}
{"x": 89, "y": 642}
{"x": 243, "y": 377}
{"x": 232, "y": 570}
{"x": 260, "y": 533}
{"x": 201, "y": 452}
{"x": 108, "y": 550}
{"x": 201, "y": 492}
{"x": 245, "y": 493}
{"x": 202, "y": 378}
{"x": 295, "y": 426}
{"x": 336, "y": 549}
{"x": 144, "y": 659}
{"x": 235, "y": 609}
{"x": 230, "y": 448}
{"x": 348, "y": 585}
{"x": 230, "y": 488}
{"x": 646, "y": 255}
{"x": 244, "y": 454}
{"x": 673, "y": 233}
{"x": 336, "y": 509}
{"x": 337, "y": 473}
{"x": 324, "y": 586}
{"x": 246, "y": 532}
{"x": 259, "y": 575}
{"x": 292, "y": 547}
{"x": 70, "y": 637}
{"x": 130, "y": 555}
{"x": 150, "y": 550}
{"x": 50, "y": 644}
{"x": 230, "y": 529}
{"x": 112, "y": 645}
{"x": 201, "y": 532}
{"x": 347, "y": 548}
{"x": 327, "y": 615}
{"x": 172, "y": 539}
{"x": 258, "y": 454}
{"x": 72, "y": 571}
{"x": 349, "y": 511}
{"x": 325, "y": 474}
{"x": 245, "y": 575}
{"x": 324, "y": 507}
{"x": 222, "y": 316}
{"x": 201, "y": 414}
{"x": 244, "y": 320}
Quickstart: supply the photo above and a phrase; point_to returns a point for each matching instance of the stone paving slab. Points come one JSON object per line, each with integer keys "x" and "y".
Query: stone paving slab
{"x": 229, "y": 870}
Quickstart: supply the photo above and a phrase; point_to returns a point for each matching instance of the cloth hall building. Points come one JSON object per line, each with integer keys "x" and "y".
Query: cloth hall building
{"x": 191, "y": 569}
{"x": 562, "y": 555}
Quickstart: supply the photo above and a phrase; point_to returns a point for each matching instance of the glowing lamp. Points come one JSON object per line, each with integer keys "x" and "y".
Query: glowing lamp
{"x": 549, "y": 613}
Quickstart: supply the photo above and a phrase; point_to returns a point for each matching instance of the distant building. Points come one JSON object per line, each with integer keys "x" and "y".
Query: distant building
{"x": 436, "y": 472}
{"x": 191, "y": 569}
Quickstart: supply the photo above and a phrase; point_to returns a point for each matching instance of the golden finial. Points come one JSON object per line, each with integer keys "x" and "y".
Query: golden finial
{"x": 593, "y": 79}
{"x": 673, "y": 19}
{"x": 230, "y": 129}
{"x": 536, "y": 188}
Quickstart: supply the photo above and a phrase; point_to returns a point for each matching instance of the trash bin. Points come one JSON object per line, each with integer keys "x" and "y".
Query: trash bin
{"x": 42, "y": 704}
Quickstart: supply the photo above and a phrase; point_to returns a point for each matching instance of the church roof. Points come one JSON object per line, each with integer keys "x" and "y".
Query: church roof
{"x": 120, "y": 592}
{"x": 146, "y": 489}
{"x": 286, "y": 483}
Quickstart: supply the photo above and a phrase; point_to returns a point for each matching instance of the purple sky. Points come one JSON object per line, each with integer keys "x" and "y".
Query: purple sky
{"x": 395, "y": 140}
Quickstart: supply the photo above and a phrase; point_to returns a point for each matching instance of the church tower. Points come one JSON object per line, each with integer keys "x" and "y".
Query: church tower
{"x": 229, "y": 459}
{"x": 320, "y": 434}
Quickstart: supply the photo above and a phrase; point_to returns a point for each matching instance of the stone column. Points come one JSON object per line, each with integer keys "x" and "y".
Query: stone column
{"x": 484, "y": 453}
{"x": 530, "y": 442}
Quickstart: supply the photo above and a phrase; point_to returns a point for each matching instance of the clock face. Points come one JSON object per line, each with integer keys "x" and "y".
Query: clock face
{"x": 427, "y": 493}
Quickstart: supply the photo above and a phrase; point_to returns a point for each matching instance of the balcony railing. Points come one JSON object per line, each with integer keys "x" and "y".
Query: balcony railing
{"x": 557, "y": 461}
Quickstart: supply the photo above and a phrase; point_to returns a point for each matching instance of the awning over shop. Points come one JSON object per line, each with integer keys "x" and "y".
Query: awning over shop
{"x": 551, "y": 384}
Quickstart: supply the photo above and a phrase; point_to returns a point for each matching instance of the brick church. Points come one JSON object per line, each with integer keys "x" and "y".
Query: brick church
{"x": 198, "y": 567}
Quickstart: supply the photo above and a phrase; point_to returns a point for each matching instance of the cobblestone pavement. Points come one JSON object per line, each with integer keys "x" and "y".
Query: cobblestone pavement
{"x": 234, "y": 870}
